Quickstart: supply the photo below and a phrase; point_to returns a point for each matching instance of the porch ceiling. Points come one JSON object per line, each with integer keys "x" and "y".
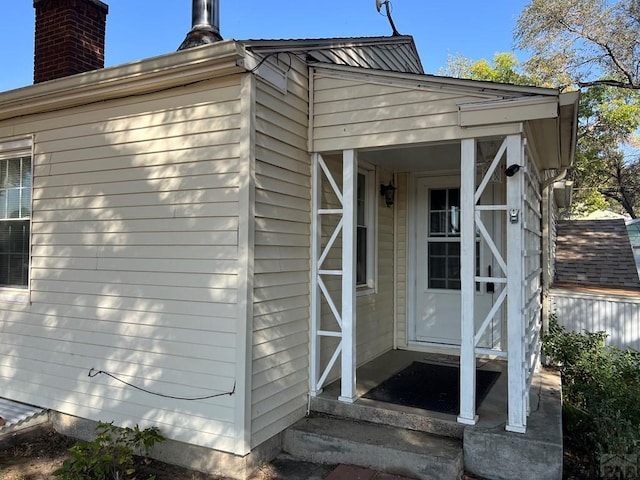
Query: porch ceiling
{"x": 444, "y": 156}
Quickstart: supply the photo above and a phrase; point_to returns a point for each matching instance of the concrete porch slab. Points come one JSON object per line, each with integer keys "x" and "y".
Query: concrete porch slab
{"x": 492, "y": 452}
{"x": 491, "y": 411}
{"x": 489, "y": 450}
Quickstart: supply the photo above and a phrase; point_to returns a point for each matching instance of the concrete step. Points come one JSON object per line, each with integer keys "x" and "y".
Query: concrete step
{"x": 393, "y": 450}
{"x": 397, "y": 416}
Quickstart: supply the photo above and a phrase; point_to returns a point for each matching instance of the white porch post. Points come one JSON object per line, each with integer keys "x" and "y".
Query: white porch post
{"x": 349, "y": 182}
{"x": 467, "y": 279}
{"x": 316, "y": 241}
{"x": 517, "y": 416}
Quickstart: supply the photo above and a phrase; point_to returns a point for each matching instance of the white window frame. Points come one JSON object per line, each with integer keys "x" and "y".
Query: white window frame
{"x": 370, "y": 215}
{"x": 12, "y": 148}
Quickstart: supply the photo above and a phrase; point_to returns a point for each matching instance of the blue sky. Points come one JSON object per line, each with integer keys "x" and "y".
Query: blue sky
{"x": 139, "y": 29}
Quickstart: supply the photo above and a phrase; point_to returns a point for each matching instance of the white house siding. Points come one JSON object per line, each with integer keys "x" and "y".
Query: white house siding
{"x": 280, "y": 369}
{"x": 402, "y": 242}
{"x": 374, "y": 315}
{"x": 134, "y": 260}
{"x": 532, "y": 260}
{"x": 356, "y": 114}
{"x": 616, "y": 313}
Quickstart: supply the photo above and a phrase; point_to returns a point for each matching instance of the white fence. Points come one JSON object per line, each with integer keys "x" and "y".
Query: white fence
{"x": 616, "y": 314}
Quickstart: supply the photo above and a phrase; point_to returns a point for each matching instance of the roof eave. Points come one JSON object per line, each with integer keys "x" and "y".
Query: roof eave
{"x": 144, "y": 76}
{"x": 424, "y": 79}
{"x": 304, "y": 44}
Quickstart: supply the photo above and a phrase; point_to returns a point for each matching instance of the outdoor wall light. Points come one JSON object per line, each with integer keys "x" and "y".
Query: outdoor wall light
{"x": 512, "y": 170}
{"x": 388, "y": 192}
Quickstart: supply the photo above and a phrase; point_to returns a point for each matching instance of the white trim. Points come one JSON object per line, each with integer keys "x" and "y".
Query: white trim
{"x": 246, "y": 242}
{"x": 349, "y": 187}
{"x": 371, "y": 214}
{"x": 316, "y": 300}
{"x": 433, "y": 347}
{"x": 395, "y": 269}
{"x": 425, "y": 82}
{"x": 509, "y": 110}
{"x": 312, "y": 105}
{"x": 14, "y": 147}
{"x": 15, "y": 295}
{"x": 410, "y": 327}
{"x": 517, "y": 391}
{"x": 319, "y": 289}
{"x": 467, "y": 413}
{"x": 443, "y": 179}
{"x": 630, "y": 296}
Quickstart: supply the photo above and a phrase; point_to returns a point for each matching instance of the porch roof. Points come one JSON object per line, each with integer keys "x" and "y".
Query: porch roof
{"x": 548, "y": 116}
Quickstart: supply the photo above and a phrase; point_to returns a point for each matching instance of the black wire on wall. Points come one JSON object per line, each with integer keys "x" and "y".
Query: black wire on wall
{"x": 93, "y": 373}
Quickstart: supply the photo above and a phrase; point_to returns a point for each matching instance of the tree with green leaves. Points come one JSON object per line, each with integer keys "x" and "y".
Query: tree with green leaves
{"x": 585, "y": 42}
{"x": 593, "y": 45}
{"x": 503, "y": 68}
{"x": 609, "y": 118}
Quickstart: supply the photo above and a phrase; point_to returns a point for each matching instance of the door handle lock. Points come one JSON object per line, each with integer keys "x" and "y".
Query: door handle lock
{"x": 490, "y": 285}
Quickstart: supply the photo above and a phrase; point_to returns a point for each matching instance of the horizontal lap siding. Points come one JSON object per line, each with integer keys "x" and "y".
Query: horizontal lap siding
{"x": 402, "y": 236}
{"x": 134, "y": 263}
{"x": 355, "y": 114}
{"x": 282, "y": 242}
{"x": 374, "y": 314}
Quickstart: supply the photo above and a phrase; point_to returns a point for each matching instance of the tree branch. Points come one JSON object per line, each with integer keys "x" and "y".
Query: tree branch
{"x": 609, "y": 82}
{"x": 605, "y": 47}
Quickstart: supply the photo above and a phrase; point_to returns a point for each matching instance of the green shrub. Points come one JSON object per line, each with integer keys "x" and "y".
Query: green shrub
{"x": 601, "y": 389}
{"x": 110, "y": 455}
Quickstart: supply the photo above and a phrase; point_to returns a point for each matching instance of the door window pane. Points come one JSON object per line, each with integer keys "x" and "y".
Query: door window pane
{"x": 444, "y": 265}
{"x": 444, "y": 238}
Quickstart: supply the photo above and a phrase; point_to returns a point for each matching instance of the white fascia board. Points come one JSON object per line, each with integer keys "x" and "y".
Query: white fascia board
{"x": 421, "y": 80}
{"x": 306, "y": 44}
{"x": 569, "y": 98}
{"x": 510, "y": 110}
{"x": 144, "y": 76}
{"x": 568, "y": 127}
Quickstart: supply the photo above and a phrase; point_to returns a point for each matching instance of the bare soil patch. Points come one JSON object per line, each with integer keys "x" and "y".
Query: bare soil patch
{"x": 38, "y": 456}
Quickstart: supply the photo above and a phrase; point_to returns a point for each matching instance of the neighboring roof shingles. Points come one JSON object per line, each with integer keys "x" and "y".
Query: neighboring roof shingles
{"x": 595, "y": 253}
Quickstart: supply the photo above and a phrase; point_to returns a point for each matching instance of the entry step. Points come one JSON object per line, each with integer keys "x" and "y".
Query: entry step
{"x": 331, "y": 440}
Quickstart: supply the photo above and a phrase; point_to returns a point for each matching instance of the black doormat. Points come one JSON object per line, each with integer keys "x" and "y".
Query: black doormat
{"x": 430, "y": 387}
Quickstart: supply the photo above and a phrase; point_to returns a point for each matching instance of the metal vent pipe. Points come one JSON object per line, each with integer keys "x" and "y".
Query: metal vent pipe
{"x": 205, "y": 24}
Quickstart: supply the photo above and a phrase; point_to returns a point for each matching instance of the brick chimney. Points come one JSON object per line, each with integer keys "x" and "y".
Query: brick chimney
{"x": 69, "y": 37}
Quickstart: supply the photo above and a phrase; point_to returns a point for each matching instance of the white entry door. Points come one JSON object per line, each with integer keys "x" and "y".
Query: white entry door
{"x": 437, "y": 265}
